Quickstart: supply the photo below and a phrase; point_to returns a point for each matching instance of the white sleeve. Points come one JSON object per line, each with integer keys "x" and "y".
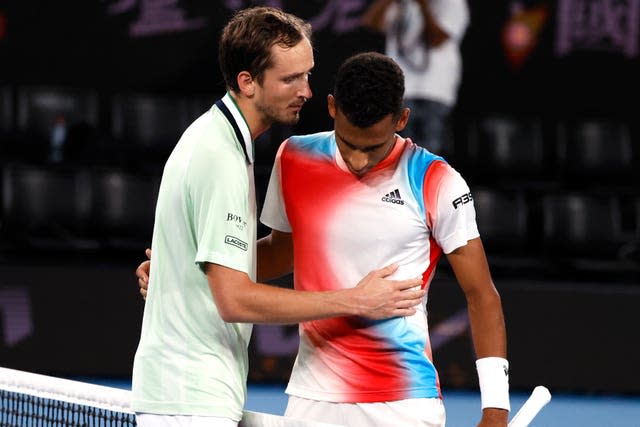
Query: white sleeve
{"x": 452, "y": 15}
{"x": 455, "y": 223}
{"x": 274, "y": 214}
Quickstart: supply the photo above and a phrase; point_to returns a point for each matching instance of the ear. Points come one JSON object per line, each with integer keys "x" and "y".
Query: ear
{"x": 331, "y": 104}
{"x": 246, "y": 83}
{"x": 403, "y": 119}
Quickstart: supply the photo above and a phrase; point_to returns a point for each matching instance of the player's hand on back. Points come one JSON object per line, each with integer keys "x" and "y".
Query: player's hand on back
{"x": 142, "y": 273}
{"x": 380, "y": 298}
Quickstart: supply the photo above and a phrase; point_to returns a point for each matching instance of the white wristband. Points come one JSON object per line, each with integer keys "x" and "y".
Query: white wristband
{"x": 493, "y": 376}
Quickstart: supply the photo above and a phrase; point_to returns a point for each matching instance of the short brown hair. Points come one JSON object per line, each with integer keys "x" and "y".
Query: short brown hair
{"x": 247, "y": 39}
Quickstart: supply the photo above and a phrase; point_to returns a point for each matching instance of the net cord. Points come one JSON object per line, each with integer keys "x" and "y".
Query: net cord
{"x": 113, "y": 399}
{"x": 70, "y": 391}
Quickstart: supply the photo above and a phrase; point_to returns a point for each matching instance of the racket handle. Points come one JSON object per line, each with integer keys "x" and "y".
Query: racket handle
{"x": 538, "y": 399}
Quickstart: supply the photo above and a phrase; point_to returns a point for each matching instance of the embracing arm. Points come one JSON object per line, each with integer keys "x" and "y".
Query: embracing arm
{"x": 275, "y": 259}
{"x": 471, "y": 269}
{"x": 239, "y": 299}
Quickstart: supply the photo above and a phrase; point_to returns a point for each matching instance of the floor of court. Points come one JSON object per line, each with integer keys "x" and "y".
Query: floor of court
{"x": 564, "y": 410}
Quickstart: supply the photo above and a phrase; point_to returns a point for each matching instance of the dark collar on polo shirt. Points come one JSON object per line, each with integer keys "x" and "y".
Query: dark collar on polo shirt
{"x": 231, "y": 111}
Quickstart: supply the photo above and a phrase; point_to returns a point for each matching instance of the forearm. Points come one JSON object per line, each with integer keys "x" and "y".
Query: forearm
{"x": 487, "y": 324}
{"x": 470, "y": 266}
{"x": 489, "y": 338}
{"x": 239, "y": 299}
{"x": 263, "y": 303}
{"x": 487, "y": 329}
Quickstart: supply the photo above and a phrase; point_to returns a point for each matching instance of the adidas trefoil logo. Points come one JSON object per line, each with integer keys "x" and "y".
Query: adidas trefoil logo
{"x": 393, "y": 197}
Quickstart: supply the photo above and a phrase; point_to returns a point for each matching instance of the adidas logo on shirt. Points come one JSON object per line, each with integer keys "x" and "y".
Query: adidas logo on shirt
{"x": 393, "y": 197}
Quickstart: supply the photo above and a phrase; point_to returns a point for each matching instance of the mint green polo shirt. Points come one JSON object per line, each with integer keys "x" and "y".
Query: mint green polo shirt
{"x": 189, "y": 361}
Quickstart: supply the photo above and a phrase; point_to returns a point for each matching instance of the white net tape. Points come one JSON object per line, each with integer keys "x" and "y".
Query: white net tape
{"x": 110, "y": 398}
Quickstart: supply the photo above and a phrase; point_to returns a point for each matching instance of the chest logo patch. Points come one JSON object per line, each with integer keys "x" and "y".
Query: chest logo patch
{"x": 393, "y": 197}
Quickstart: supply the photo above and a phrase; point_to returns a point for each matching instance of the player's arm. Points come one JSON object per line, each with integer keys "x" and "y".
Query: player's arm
{"x": 275, "y": 259}
{"x": 239, "y": 299}
{"x": 374, "y": 16}
{"x": 471, "y": 269}
{"x": 275, "y": 255}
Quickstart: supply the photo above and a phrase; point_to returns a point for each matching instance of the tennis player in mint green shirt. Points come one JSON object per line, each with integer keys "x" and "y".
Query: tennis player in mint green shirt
{"x": 206, "y": 213}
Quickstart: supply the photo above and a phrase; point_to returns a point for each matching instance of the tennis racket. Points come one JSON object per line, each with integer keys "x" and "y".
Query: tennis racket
{"x": 538, "y": 399}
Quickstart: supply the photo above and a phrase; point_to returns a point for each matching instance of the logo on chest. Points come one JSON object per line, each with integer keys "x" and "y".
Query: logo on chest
{"x": 393, "y": 197}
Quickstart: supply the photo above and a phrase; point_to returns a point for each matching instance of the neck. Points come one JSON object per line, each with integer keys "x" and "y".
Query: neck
{"x": 255, "y": 121}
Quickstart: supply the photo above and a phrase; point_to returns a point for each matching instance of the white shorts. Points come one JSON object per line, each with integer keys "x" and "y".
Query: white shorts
{"x": 156, "y": 420}
{"x": 424, "y": 412}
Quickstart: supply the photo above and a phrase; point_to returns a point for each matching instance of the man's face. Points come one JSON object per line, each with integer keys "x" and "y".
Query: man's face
{"x": 285, "y": 86}
{"x": 362, "y": 149}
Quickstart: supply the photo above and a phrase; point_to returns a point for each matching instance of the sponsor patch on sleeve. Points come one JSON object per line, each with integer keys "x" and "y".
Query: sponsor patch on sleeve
{"x": 462, "y": 200}
{"x": 234, "y": 241}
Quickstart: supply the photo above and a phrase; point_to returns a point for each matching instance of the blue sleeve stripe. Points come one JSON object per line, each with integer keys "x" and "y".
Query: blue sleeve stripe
{"x": 417, "y": 166}
{"x": 320, "y": 144}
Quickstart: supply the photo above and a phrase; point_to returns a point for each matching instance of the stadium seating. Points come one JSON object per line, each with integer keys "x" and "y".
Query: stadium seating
{"x": 595, "y": 152}
{"x": 502, "y": 219}
{"x": 582, "y": 224}
{"x": 122, "y": 209}
{"x": 42, "y": 110}
{"x": 6, "y": 110}
{"x": 503, "y": 148}
{"x": 44, "y": 208}
{"x": 147, "y": 126}
{"x": 582, "y": 233}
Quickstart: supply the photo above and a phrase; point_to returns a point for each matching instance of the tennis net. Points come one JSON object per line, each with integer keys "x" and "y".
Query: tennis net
{"x": 28, "y": 399}
{"x": 34, "y": 400}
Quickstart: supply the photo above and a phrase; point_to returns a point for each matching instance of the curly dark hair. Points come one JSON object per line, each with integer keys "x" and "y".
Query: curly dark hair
{"x": 368, "y": 87}
{"x": 246, "y": 41}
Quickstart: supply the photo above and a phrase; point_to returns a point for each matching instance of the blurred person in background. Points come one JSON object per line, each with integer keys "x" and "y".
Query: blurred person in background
{"x": 424, "y": 37}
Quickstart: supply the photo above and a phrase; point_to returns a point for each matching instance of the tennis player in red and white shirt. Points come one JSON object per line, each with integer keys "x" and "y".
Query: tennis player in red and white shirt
{"x": 342, "y": 202}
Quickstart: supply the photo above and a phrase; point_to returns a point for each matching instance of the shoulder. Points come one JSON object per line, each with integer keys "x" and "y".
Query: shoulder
{"x": 423, "y": 164}
{"x": 311, "y": 141}
{"x": 438, "y": 181}
{"x": 211, "y": 148}
{"x": 316, "y": 144}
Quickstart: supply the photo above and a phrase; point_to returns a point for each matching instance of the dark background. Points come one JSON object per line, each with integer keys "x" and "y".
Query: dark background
{"x": 572, "y": 318}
